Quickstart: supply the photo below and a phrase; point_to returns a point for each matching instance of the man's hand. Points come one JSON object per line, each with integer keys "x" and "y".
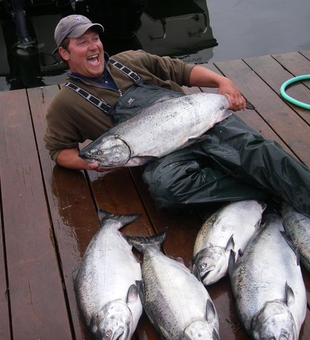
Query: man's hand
{"x": 69, "y": 158}
{"x": 235, "y": 98}
{"x": 201, "y": 76}
{"x": 95, "y": 167}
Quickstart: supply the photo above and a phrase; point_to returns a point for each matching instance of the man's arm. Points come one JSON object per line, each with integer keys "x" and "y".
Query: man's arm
{"x": 201, "y": 76}
{"x": 69, "y": 158}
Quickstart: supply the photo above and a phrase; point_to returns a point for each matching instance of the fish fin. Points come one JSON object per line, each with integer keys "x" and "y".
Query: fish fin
{"x": 263, "y": 204}
{"x": 195, "y": 271}
{"x": 140, "y": 288}
{"x": 192, "y": 140}
{"x": 230, "y": 243}
{"x": 140, "y": 242}
{"x": 287, "y": 238}
{"x": 289, "y": 295}
{"x": 137, "y": 161}
{"x": 289, "y": 241}
{"x": 104, "y": 215}
{"x": 231, "y": 262}
{"x": 258, "y": 224}
{"x": 132, "y": 294}
{"x": 210, "y": 311}
{"x": 249, "y": 105}
{"x": 215, "y": 335}
{"x": 74, "y": 273}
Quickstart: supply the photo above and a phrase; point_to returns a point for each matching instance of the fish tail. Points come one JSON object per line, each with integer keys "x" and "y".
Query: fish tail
{"x": 104, "y": 215}
{"x": 141, "y": 243}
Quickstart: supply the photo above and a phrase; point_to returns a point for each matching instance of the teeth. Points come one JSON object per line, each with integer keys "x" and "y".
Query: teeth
{"x": 93, "y": 56}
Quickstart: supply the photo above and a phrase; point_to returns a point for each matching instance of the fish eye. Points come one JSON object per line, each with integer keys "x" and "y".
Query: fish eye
{"x": 203, "y": 266}
{"x": 108, "y": 334}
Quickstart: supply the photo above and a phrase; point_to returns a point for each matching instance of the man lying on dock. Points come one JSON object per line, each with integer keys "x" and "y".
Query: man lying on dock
{"x": 234, "y": 163}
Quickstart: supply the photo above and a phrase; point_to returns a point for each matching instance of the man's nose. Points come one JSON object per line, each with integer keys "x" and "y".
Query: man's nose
{"x": 92, "y": 45}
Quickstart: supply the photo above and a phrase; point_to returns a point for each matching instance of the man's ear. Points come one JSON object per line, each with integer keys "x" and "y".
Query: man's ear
{"x": 63, "y": 53}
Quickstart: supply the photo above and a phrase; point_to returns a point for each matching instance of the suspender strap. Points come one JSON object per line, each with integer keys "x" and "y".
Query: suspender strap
{"x": 101, "y": 104}
{"x": 131, "y": 74}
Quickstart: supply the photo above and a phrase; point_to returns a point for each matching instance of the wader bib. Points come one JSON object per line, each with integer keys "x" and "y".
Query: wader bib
{"x": 234, "y": 163}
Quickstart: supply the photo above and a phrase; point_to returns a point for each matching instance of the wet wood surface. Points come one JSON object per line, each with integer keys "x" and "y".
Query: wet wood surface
{"x": 48, "y": 214}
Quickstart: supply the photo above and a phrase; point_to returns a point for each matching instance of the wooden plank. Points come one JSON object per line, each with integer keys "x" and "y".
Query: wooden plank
{"x": 71, "y": 206}
{"x": 307, "y": 55}
{"x": 296, "y": 63}
{"x": 282, "y": 119}
{"x": 38, "y": 307}
{"x": 5, "y": 322}
{"x": 116, "y": 193}
{"x": 275, "y": 74}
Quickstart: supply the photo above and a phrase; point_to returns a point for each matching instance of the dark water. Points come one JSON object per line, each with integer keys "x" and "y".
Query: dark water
{"x": 194, "y": 30}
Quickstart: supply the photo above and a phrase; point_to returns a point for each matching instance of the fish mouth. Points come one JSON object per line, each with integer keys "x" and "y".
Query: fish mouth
{"x": 86, "y": 155}
{"x": 113, "y": 152}
{"x": 113, "y": 322}
{"x": 205, "y": 275}
{"x": 118, "y": 334}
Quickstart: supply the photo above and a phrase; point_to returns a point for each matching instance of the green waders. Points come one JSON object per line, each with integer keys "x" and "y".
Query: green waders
{"x": 234, "y": 163}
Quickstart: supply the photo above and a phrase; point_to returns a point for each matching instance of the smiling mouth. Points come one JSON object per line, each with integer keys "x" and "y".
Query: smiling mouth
{"x": 93, "y": 58}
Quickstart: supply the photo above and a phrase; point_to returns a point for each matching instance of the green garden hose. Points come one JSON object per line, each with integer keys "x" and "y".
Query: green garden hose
{"x": 290, "y": 99}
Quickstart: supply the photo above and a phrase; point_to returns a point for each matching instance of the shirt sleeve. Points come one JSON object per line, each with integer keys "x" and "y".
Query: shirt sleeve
{"x": 60, "y": 132}
{"x": 163, "y": 71}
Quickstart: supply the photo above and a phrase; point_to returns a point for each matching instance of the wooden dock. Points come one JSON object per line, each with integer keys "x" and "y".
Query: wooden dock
{"x": 48, "y": 213}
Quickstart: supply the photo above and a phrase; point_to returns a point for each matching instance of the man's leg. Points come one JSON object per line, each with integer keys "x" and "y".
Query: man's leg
{"x": 235, "y": 162}
{"x": 178, "y": 181}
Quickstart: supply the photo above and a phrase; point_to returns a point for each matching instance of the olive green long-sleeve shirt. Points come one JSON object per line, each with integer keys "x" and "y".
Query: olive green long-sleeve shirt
{"x": 71, "y": 119}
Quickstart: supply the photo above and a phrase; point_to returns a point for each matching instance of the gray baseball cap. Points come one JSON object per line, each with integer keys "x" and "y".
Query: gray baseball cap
{"x": 74, "y": 26}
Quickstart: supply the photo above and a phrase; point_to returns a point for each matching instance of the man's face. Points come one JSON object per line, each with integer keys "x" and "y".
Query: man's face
{"x": 85, "y": 55}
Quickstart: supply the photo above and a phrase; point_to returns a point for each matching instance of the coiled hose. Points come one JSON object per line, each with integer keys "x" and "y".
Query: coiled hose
{"x": 289, "y": 98}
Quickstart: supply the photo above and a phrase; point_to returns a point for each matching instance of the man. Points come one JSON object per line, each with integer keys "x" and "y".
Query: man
{"x": 235, "y": 163}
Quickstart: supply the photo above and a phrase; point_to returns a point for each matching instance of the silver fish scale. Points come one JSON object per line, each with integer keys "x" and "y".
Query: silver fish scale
{"x": 260, "y": 277}
{"x": 107, "y": 271}
{"x": 235, "y": 221}
{"x": 157, "y": 130}
{"x": 173, "y": 296}
{"x": 297, "y": 226}
{"x": 177, "y": 118}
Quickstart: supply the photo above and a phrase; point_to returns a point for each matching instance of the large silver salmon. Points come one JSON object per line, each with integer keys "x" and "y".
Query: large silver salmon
{"x": 157, "y": 130}
{"x": 177, "y": 303}
{"x": 105, "y": 283}
{"x": 267, "y": 285}
{"x": 229, "y": 228}
{"x": 297, "y": 226}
